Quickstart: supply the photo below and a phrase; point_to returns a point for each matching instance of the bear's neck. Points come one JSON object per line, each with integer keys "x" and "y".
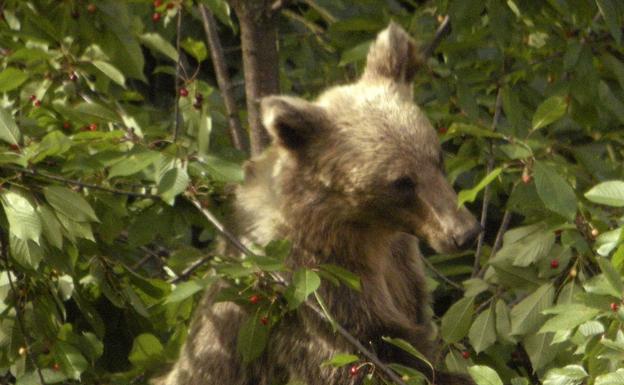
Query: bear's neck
{"x": 318, "y": 237}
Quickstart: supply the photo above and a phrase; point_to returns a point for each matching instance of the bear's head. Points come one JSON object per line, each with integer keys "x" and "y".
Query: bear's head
{"x": 364, "y": 155}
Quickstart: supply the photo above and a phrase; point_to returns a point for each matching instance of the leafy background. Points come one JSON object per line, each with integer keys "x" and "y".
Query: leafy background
{"x": 108, "y": 166}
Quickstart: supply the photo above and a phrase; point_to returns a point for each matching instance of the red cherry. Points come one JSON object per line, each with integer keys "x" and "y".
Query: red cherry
{"x": 466, "y": 354}
{"x": 443, "y": 130}
{"x": 254, "y": 299}
{"x": 14, "y": 147}
{"x": 264, "y": 320}
{"x": 73, "y": 77}
{"x": 183, "y": 92}
{"x": 554, "y": 264}
{"x": 92, "y": 127}
{"x": 37, "y": 103}
{"x": 353, "y": 370}
{"x": 91, "y": 8}
{"x": 66, "y": 125}
{"x": 157, "y": 3}
{"x": 33, "y": 98}
{"x": 156, "y": 17}
{"x": 170, "y": 6}
{"x": 614, "y": 306}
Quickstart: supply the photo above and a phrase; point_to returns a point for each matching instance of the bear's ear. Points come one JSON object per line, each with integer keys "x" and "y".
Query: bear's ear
{"x": 292, "y": 122}
{"x": 393, "y": 55}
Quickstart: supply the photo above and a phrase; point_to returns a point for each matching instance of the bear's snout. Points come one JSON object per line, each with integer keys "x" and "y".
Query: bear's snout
{"x": 465, "y": 236}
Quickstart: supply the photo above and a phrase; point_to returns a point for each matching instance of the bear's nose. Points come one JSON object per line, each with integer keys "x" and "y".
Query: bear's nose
{"x": 465, "y": 237}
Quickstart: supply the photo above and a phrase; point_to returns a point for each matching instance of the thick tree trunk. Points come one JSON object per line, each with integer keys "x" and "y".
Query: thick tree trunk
{"x": 258, "y": 24}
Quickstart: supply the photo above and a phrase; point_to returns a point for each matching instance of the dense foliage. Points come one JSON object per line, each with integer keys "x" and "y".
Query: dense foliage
{"x": 108, "y": 166}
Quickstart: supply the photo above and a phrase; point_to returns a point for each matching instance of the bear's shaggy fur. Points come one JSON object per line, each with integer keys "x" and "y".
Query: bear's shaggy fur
{"x": 354, "y": 179}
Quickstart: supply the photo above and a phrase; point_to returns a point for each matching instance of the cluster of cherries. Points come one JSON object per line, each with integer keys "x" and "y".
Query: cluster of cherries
{"x": 156, "y": 16}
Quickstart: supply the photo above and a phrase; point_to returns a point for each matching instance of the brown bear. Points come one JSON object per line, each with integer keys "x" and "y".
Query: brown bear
{"x": 355, "y": 179}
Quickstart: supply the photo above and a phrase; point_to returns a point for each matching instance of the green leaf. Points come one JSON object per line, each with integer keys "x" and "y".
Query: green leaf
{"x": 340, "y": 360}
{"x": 482, "y": 333}
{"x": 50, "y": 376}
{"x": 9, "y": 132}
{"x": 223, "y": 170}
{"x": 567, "y": 317}
{"x": 52, "y": 230}
{"x": 304, "y": 283}
{"x": 109, "y": 70}
{"x": 70, "y": 359}
{"x": 539, "y": 349}
{"x": 551, "y": 110}
{"x": 69, "y": 203}
{"x": 591, "y": 328}
{"x": 613, "y": 277}
{"x": 471, "y": 195}
{"x": 610, "y": 101}
{"x": 26, "y": 253}
{"x": 503, "y": 321}
{"x": 484, "y": 375}
{"x": 24, "y": 223}
{"x": 615, "y": 378}
{"x": 252, "y": 337}
{"x": 344, "y": 275}
{"x": 569, "y": 375}
{"x": 554, "y": 191}
{"x": 355, "y": 54}
{"x": 609, "y": 193}
{"x": 472, "y": 130}
{"x": 146, "y": 350}
{"x": 609, "y": 11}
{"x": 133, "y": 163}
{"x": 527, "y": 315}
{"x": 11, "y": 78}
{"x": 195, "y": 48}
{"x": 187, "y": 289}
{"x": 407, "y": 347}
{"x": 174, "y": 182}
{"x": 456, "y": 321}
{"x": 94, "y": 112}
{"x": 158, "y": 43}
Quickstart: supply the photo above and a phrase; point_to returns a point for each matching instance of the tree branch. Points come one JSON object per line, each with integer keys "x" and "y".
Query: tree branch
{"x": 237, "y": 133}
{"x": 498, "y": 106}
{"x": 441, "y": 32}
{"x": 178, "y": 71}
{"x": 74, "y": 182}
{"x": 260, "y": 62}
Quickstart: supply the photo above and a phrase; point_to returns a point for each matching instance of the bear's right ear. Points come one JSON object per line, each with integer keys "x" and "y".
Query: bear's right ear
{"x": 394, "y": 55}
{"x": 292, "y": 122}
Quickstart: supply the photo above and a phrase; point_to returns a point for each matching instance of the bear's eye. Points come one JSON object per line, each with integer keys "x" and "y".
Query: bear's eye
{"x": 404, "y": 184}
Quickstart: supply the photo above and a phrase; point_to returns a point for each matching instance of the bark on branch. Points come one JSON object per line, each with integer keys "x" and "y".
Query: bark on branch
{"x": 258, "y": 26}
{"x": 237, "y": 133}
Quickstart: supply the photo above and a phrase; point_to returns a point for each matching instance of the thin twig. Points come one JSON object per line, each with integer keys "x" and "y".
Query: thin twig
{"x": 499, "y": 239}
{"x": 191, "y": 269}
{"x": 278, "y": 5}
{"x": 18, "y": 313}
{"x": 176, "y": 113}
{"x": 343, "y": 332}
{"x": 439, "y": 274}
{"x": 486, "y": 192}
{"x": 441, "y": 32}
{"x": 74, "y": 182}
{"x": 238, "y": 135}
